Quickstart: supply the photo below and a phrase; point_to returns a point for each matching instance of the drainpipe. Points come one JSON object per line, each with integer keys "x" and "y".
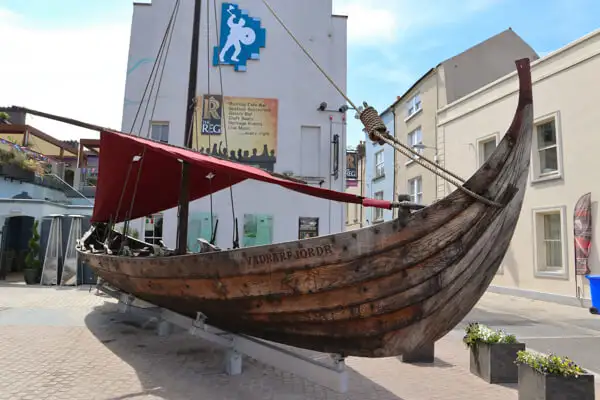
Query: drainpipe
{"x": 435, "y": 130}
{"x": 394, "y": 194}
{"x": 362, "y": 182}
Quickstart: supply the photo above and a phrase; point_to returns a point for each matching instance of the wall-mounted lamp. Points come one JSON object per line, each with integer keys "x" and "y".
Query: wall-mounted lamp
{"x": 342, "y": 109}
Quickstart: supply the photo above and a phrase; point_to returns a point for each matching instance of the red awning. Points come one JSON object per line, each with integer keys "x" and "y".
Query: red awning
{"x": 160, "y": 178}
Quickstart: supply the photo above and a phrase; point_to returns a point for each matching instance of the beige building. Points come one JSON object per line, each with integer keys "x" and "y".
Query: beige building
{"x": 416, "y": 111}
{"x": 355, "y": 213}
{"x": 540, "y": 260}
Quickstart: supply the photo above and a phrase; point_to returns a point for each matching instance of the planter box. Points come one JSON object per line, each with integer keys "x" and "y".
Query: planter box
{"x": 14, "y": 172}
{"x": 537, "y": 386}
{"x": 495, "y": 363}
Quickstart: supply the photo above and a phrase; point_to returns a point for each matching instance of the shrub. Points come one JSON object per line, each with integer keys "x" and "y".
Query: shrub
{"x": 550, "y": 364}
{"x": 18, "y": 159}
{"x": 478, "y": 333}
{"x": 32, "y": 260}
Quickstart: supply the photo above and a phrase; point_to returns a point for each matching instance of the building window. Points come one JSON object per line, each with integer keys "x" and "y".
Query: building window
{"x": 413, "y": 105}
{"x": 160, "y": 131}
{"x": 379, "y": 166}
{"x": 378, "y": 211}
{"x": 308, "y": 227}
{"x": 485, "y": 148}
{"x": 153, "y": 228}
{"x": 546, "y": 149}
{"x": 258, "y": 230}
{"x": 550, "y": 242}
{"x": 415, "y": 137}
{"x": 415, "y": 187}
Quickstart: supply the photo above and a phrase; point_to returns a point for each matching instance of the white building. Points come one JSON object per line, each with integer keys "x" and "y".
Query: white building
{"x": 281, "y": 79}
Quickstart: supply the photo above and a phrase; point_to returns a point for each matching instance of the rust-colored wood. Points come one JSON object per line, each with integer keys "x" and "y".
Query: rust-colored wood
{"x": 378, "y": 291}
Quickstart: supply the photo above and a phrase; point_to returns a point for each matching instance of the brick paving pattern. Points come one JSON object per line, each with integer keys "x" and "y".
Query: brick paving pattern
{"x": 71, "y": 344}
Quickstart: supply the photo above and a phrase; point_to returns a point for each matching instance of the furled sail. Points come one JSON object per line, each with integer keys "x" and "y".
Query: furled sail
{"x": 130, "y": 187}
{"x": 582, "y": 231}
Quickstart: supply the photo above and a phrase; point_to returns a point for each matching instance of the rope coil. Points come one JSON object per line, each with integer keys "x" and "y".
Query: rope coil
{"x": 373, "y": 124}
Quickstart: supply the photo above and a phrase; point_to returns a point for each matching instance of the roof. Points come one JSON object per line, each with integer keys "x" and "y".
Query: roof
{"x": 432, "y": 70}
{"x": 21, "y": 129}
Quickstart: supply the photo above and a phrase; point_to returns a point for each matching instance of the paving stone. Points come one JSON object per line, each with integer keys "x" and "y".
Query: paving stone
{"x": 71, "y": 344}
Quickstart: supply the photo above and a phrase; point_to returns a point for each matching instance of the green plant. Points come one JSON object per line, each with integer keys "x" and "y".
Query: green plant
{"x": 478, "y": 333}
{"x": 18, "y": 159}
{"x": 550, "y": 364}
{"x": 4, "y": 116}
{"x": 32, "y": 260}
{"x": 132, "y": 232}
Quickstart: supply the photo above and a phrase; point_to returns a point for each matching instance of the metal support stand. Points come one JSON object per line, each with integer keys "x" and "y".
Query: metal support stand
{"x": 53, "y": 258}
{"x": 326, "y": 370}
{"x": 424, "y": 354}
{"x": 69, "y": 270}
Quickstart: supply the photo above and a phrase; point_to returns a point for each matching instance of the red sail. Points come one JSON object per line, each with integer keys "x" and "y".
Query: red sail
{"x": 582, "y": 232}
{"x": 159, "y": 181}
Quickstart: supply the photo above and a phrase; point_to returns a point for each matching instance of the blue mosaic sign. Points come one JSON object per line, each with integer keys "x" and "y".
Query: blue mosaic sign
{"x": 240, "y": 39}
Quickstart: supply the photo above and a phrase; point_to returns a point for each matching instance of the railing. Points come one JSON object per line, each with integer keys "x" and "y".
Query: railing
{"x": 55, "y": 182}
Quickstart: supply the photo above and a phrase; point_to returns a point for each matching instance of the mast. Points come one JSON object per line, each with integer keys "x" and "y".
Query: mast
{"x": 184, "y": 204}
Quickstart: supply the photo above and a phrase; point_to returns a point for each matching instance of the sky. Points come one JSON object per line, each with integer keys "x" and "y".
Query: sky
{"x": 69, "y": 57}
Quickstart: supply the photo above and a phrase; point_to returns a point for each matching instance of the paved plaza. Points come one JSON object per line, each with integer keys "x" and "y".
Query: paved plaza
{"x": 73, "y": 344}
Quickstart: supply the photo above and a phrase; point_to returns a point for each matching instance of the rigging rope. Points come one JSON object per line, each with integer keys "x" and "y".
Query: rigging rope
{"x": 235, "y": 235}
{"x": 377, "y": 130}
{"x": 166, "y": 55}
{"x": 458, "y": 182}
{"x": 135, "y": 187}
{"x": 162, "y": 55}
{"x": 160, "y": 49}
{"x": 212, "y": 221}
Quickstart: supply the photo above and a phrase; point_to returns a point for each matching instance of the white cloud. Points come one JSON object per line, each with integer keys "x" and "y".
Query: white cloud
{"x": 368, "y": 23}
{"x": 381, "y": 22}
{"x": 77, "y": 73}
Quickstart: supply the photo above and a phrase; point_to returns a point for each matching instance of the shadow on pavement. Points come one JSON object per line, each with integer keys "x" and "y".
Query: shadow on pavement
{"x": 181, "y": 367}
{"x": 437, "y": 363}
{"x": 495, "y": 319}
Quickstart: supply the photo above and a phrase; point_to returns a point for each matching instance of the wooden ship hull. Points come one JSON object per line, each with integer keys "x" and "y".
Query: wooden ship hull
{"x": 379, "y": 291}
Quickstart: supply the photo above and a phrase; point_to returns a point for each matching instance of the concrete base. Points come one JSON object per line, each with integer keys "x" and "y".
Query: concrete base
{"x": 164, "y": 328}
{"x": 425, "y": 354}
{"x": 233, "y": 362}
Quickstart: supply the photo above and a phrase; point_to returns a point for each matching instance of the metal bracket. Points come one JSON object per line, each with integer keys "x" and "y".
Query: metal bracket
{"x": 339, "y": 362}
{"x": 199, "y": 323}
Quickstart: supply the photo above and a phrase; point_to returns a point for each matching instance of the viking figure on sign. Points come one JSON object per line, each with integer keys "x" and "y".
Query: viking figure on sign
{"x": 238, "y": 34}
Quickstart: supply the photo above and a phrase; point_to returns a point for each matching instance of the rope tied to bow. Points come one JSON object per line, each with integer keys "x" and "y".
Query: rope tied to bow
{"x": 373, "y": 124}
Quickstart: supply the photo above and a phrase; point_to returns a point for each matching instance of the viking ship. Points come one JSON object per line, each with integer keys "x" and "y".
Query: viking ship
{"x": 379, "y": 291}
